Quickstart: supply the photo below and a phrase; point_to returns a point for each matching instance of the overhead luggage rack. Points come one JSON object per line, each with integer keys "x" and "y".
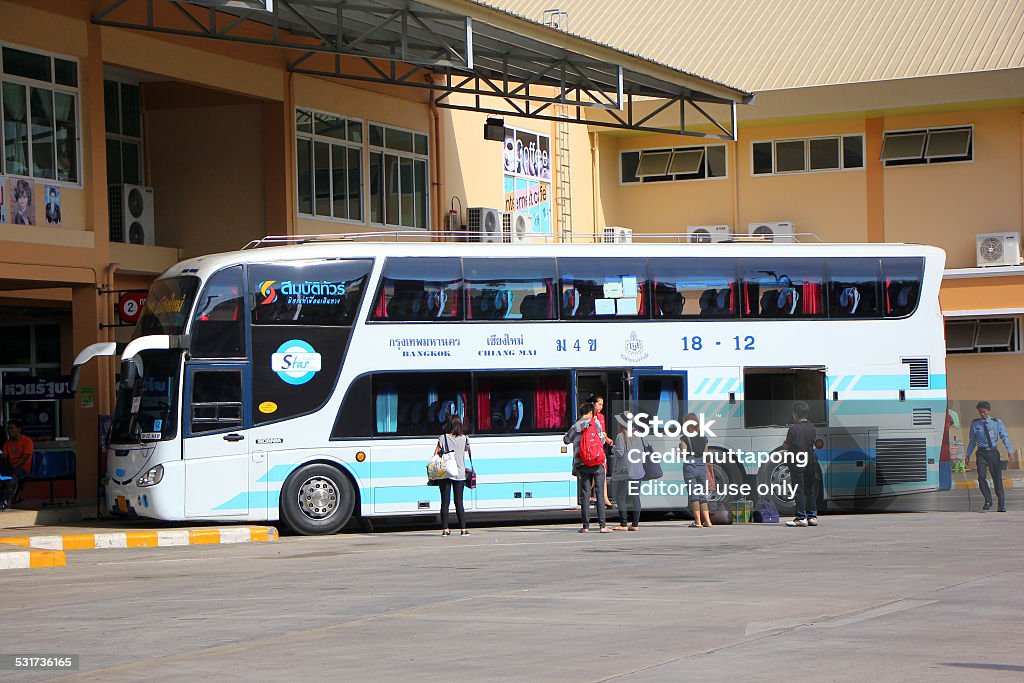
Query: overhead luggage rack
{"x": 464, "y": 236}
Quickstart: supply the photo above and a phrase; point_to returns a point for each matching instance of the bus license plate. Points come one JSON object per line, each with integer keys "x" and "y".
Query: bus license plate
{"x": 122, "y": 504}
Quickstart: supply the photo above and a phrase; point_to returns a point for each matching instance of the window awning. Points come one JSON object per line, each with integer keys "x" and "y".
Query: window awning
{"x": 510, "y": 65}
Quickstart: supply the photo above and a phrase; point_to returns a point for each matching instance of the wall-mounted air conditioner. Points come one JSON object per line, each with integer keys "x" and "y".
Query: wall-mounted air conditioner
{"x": 706, "y": 234}
{"x": 616, "y": 235}
{"x": 131, "y": 214}
{"x": 518, "y": 227}
{"x": 483, "y": 224}
{"x": 779, "y": 231}
{"x": 997, "y": 249}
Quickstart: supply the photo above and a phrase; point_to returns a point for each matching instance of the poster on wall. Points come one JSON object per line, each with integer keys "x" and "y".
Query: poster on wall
{"x": 527, "y": 178}
{"x": 23, "y": 209}
{"x": 3, "y": 199}
{"x": 52, "y": 205}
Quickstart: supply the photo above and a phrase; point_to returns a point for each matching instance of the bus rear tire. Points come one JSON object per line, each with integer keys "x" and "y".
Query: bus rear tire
{"x": 317, "y": 499}
{"x": 773, "y": 476}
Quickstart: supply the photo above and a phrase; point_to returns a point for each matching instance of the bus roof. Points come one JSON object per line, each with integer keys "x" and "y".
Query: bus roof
{"x": 298, "y": 248}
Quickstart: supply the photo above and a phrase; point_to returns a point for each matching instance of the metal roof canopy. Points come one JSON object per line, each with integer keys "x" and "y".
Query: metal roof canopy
{"x": 438, "y": 45}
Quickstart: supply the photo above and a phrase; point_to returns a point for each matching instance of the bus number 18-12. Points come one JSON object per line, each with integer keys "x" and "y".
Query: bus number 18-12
{"x": 697, "y": 343}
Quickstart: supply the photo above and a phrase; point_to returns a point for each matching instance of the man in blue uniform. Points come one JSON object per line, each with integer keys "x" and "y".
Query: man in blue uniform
{"x": 986, "y": 431}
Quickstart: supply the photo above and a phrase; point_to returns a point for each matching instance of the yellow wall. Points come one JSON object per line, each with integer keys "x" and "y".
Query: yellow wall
{"x": 207, "y": 176}
{"x": 831, "y": 205}
{"x": 947, "y": 204}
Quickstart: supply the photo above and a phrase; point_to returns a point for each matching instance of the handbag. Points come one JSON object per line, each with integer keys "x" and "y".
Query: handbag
{"x": 652, "y": 470}
{"x": 442, "y": 463}
{"x": 470, "y": 473}
{"x": 766, "y": 512}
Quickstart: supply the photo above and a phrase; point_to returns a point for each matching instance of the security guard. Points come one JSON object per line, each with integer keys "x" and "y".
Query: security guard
{"x": 986, "y": 431}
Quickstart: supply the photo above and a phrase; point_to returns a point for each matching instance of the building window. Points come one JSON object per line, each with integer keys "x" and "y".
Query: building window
{"x": 123, "y": 114}
{"x": 808, "y": 155}
{"x": 399, "y": 180}
{"x": 983, "y": 335}
{"x": 40, "y": 115}
{"x": 329, "y": 157}
{"x": 681, "y": 163}
{"x": 928, "y": 146}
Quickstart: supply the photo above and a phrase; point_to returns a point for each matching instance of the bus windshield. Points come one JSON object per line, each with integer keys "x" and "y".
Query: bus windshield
{"x": 156, "y": 392}
{"x": 167, "y": 307}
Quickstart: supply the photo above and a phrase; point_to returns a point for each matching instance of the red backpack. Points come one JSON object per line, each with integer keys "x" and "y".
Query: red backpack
{"x": 591, "y": 446}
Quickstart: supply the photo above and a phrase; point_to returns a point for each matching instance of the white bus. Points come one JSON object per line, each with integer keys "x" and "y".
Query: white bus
{"x": 307, "y": 379}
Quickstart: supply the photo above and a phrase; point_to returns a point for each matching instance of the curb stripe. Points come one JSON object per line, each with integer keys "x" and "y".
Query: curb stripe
{"x": 32, "y": 559}
{"x": 142, "y": 539}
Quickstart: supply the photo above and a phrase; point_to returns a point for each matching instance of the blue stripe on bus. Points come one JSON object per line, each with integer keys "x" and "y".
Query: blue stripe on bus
{"x": 700, "y": 387}
{"x": 714, "y": 385}
{"x": 492, "y": 466}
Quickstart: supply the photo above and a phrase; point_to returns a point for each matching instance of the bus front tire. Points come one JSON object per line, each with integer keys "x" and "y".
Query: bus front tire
{"x": 317, "y": 499}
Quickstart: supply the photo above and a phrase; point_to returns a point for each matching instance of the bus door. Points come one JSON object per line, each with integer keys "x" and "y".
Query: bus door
{"x": 216, "y": 444}
{"x": 661, "y": 394}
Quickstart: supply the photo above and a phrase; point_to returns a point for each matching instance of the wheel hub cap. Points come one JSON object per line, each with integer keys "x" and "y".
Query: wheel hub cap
{"x": 318, "y": 498}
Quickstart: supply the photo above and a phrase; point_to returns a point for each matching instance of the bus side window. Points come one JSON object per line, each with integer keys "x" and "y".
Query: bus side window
{"x": 418, "y": 404}
{"x": 521, "y": 403}
{"x": 603, "y": 288}
{"x": 691, "y": 288}
{"x": 420, "y": 289}
{"x": 782, "y": 288}
{"x": 218, "y": 324}
{"x": 216, "y": 400}
{"x": 902, "y": 285}
{"x": 510, "y": 289}
{"x": 854, "y": 288}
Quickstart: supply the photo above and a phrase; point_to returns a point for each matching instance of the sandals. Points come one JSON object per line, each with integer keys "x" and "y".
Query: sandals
{"x": 694, "y": 525}
{"x": 619, "y": 528}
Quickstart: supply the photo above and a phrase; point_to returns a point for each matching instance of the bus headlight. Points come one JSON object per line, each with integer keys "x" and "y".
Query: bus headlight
{"x": 152, "y": 477}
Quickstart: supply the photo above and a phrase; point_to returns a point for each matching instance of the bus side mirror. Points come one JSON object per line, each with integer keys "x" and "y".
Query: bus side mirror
{"x": 130, "y": 372}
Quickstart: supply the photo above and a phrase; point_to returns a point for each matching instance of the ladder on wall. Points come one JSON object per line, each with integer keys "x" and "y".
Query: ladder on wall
{"x": 563, "y": 187}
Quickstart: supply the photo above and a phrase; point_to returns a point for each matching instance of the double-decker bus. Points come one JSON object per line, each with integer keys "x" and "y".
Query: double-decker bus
{"x": 307, "y": 379}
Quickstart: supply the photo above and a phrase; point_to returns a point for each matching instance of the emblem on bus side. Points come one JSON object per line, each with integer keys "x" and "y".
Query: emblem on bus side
{"x": 295, "y": 362}
{"x": 634, "y": 351}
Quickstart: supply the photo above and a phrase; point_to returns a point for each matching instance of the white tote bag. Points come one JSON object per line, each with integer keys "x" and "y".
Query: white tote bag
{"x": 443, "y": 465}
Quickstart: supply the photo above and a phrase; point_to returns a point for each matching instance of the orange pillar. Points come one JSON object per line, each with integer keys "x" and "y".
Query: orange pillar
{"x": 875, "y": 178}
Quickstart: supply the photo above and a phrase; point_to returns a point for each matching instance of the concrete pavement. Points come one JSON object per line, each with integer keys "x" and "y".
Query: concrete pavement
{"x": 883, "y": 596}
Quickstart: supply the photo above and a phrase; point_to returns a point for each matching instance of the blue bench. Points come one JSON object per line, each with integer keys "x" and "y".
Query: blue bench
{"x": 53, "y": 466}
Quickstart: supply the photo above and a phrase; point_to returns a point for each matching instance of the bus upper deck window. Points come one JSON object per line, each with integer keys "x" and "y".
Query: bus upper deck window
{"x": 420, "y": 289}
{"x": 692, "y": 288}
{"x": 218, "y": 323}
{"x": 782, "y": 288}
{"x": 854, "y": 288}
{"x": 510, "y": 289}
{"x": 902, "y": 285}
{"x": 603, "y": 288}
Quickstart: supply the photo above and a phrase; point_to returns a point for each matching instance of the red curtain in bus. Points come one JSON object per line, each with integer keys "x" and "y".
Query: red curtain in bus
{"x": 812, "y": 298}
{"x": 483, "y": 407}
{"x": 550, "y": 402}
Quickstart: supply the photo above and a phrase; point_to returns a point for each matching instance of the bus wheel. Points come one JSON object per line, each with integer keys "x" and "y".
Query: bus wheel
{"x": 728, "y": 475}
{"x": 317, "y": 499}
{"x": 776, "y": 478}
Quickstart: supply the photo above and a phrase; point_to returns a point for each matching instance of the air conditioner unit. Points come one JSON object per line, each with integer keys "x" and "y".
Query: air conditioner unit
{"x": 131, "y": 214}
{"x": 997, "y": 249}
{"x": 616, "y": 235}
{"x": 484, "y": 225}
{"x": 706, "y": 234}
{"x": 772, "y": 232}
{"x": 518, "y": 227}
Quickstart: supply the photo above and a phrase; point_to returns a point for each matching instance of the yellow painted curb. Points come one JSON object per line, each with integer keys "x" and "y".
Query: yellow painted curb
{"x": 31, "y": 559}
{"x": 972, "y": 484}
{"x": 145, "y": 539}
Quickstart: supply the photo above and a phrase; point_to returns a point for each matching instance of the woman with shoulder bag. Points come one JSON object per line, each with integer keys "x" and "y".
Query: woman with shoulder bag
{"x": 453, "y": 441}
{"x": 628, "y": 456}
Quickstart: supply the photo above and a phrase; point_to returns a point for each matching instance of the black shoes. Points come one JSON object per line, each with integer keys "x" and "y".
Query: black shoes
{"x": 1001, "y": 510}
{"x": 986, "y": 506}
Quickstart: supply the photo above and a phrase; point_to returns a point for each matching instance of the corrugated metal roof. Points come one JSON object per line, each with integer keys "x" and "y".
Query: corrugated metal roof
{"x": 761, "y": 45}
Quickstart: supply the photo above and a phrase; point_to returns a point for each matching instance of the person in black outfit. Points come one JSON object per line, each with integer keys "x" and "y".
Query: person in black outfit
{"x": 800, "y": 441}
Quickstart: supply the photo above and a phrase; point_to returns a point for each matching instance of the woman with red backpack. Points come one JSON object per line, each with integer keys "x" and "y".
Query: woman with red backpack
{"x": 588, "y": 464}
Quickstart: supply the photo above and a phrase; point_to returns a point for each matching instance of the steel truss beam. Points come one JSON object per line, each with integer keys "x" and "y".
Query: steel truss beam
{"x": 411, "y": 44}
